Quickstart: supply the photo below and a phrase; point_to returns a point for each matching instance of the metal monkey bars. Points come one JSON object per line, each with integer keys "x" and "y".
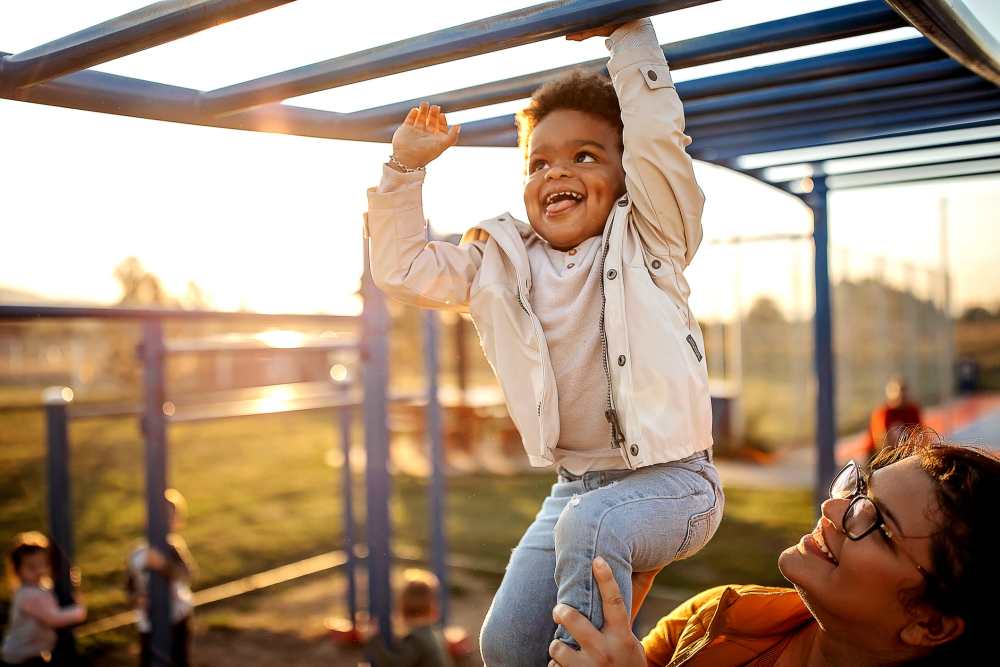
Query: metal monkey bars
{"x": 900, "y": 99}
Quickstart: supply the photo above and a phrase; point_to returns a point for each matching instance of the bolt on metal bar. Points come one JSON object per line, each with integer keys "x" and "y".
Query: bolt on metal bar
{"x": 837, "y": 23}
{"x": 504, "y": 31}
{"x": 136, "y": 31}
{"x": 154, "y": 428}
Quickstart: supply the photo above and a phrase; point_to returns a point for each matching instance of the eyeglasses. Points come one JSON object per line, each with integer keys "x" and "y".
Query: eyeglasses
{"x": 862, "y": 516}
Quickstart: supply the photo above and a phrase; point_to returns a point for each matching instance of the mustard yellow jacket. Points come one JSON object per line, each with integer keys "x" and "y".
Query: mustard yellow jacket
{"x": 727, "y": 626}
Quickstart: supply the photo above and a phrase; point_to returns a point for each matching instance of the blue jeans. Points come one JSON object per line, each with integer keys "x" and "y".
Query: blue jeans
{"x": 637, "y": 520}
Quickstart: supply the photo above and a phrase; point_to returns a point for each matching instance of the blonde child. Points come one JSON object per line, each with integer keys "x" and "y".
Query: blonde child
{"x": 422, "y": 645}
{"x": 178, "y": 567}
{"x": 35, "y": 613}
{"x": 583, "y": 314}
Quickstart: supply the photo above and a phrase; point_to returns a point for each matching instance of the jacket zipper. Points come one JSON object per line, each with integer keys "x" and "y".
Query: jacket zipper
{"x": 520, "y": 302}
{"x": 617, "y": 436}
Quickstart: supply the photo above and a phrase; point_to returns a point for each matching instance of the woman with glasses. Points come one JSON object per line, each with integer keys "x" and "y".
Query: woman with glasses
{"x": 901, "y": 569}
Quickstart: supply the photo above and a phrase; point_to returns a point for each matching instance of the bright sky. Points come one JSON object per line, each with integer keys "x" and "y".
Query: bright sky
{"x": 273, "y": 222}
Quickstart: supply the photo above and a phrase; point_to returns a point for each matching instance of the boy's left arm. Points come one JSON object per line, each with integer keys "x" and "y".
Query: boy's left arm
{"x": 659, "y": 174}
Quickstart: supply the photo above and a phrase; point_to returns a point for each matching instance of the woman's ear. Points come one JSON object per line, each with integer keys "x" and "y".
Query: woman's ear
{"x": 929, "y": 628}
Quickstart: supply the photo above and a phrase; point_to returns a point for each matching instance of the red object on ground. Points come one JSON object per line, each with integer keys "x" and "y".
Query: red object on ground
{"x": 459, "y": 642}
{"x": 342, "y": 631}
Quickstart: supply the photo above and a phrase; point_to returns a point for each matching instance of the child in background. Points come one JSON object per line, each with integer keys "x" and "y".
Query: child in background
{"x": 423, "y": 646}
{"x": 178, "y": 567}
{"x": 35, "y": 613}
{"x": 583, "y": 315}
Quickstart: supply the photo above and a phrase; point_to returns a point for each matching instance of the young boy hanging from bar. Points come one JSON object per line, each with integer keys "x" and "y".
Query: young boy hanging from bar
{"x": 583, "y": 314}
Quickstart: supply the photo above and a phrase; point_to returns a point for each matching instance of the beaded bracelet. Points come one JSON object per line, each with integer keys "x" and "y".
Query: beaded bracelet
{"x": 399, "y": 166}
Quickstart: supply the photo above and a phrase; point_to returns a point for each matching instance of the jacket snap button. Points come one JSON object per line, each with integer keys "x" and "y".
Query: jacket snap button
{"x": 623, "y": 202}
{"x": 621, "y": 359}
{"x": 612, "y": 274}
{"x": 634, "y": 449}
{"x": 656, "y": 264}
{"x": 570, "y": 265}
{"x": 652, "y": 75}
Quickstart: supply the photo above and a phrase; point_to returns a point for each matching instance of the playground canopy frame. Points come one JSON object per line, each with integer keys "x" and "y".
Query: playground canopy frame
{"x": 938, "y": 90}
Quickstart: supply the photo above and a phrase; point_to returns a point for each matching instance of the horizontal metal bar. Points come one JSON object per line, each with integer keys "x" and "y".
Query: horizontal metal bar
{"x": 880, "y": 56}
{"x": 837, "y": 23}
{"x": 958, "y": 169}
{"x": 253, "y": 345}
{"x": 958, "y": 30}
{"x": 91, "y": 90}
{"x": 886, "y": 109}
{"x": 141, "y": 29}
{"x": 858, "y": 100}
{"x": 992, "y": 154}
{"x": 828, "y": 87}
{"x": 832, "y": 132}
{"x": 501, "y": 130}
{"x": 516, "y": 28}
{"x": 25, "y": 312}
{"x": 870, "y": 150}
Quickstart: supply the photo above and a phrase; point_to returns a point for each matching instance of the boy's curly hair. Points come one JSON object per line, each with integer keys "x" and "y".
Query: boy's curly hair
{"x": 578, "y": 90}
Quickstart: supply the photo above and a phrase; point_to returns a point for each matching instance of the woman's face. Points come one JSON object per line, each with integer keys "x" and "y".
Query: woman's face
{"x": 857, "y": 592}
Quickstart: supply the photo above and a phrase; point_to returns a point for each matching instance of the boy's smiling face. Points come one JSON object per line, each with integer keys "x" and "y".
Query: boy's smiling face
{"x": 574, "y": 176}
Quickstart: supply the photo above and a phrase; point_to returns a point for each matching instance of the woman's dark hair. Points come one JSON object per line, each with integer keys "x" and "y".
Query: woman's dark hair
{"x": 578, "y": 90}
{"x": 964, "y": 544}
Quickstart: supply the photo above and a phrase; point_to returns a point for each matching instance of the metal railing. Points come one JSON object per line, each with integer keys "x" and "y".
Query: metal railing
{"x": 157, "y": 412}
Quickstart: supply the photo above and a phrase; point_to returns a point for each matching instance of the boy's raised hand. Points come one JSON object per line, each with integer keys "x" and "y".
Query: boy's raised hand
{"x": 423, "y": 136}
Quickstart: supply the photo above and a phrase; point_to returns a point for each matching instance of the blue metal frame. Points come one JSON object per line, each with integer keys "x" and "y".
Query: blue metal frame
{"x": 850, "y": 96}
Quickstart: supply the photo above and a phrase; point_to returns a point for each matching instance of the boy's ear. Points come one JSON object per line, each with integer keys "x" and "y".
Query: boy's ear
{"x": 929, "y": 628}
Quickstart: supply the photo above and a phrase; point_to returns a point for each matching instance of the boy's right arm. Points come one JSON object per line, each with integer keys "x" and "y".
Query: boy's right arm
{"x": 43, "y": 606}
{"x": 404, "y": 264}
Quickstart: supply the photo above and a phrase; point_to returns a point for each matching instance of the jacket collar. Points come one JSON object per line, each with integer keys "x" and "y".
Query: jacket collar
{"x": 761, "y": 616}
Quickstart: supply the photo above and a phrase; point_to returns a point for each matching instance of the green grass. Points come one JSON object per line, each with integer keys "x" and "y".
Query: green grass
{"x": 261, "y": 494}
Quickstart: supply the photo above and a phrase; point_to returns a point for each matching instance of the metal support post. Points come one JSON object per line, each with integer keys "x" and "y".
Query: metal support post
{"x": 436, "y": 438}
{"x": 826, "y": 431}
{"x": 56, "y": 400}
{"x": 375, "y": 355}
{"x": 347, "y": 493}
{"x": 154, "y": 427}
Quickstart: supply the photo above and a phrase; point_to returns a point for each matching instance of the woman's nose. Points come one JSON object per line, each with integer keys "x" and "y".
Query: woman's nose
{"x": 832, "y": 509}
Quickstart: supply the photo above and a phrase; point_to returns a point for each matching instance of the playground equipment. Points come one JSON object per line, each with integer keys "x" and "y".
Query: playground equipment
{"x": 896, "y": 99}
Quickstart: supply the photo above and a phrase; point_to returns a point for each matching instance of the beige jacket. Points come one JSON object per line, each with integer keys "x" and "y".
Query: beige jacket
{"x": 658, "y": 398}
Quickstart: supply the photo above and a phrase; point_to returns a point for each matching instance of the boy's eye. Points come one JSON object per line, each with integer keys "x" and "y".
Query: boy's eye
{"x": 586, "y": 157}
{"x": 536, "y": 165}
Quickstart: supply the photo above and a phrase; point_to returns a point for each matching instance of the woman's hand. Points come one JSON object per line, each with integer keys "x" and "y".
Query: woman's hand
{"x": 612, "y": 646}
{"x": 602, "y": 31}
{"x": 423, "y": 136}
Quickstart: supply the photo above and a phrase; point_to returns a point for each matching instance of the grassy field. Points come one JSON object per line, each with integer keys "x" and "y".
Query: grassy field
{"x": 261, "y": 493}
